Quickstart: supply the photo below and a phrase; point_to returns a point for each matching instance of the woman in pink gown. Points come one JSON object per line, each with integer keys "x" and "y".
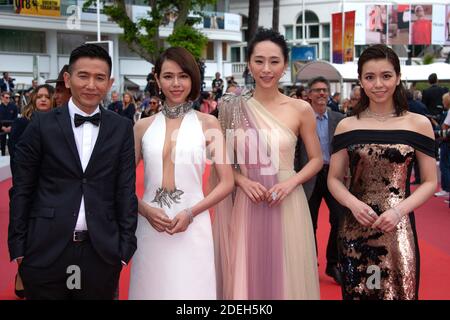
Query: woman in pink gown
{"x": 264, "y": 240}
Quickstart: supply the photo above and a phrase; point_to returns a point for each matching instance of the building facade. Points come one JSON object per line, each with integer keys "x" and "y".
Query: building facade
{"x": 317, "y": 31}
{"x": 38, "y": 44}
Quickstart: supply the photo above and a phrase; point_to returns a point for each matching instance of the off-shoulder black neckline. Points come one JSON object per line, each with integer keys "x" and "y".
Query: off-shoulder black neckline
{"x": 392, "y": 136}
{"x": 382, "y": 131}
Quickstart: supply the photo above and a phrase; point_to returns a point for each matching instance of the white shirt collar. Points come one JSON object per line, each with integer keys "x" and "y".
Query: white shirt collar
{"x": 74, "y": 109}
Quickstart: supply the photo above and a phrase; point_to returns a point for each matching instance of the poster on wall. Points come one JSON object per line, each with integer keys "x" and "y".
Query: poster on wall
{"x": 376, "y": 23}
{"x": 47, "y": 8}
{"x": 343, "y": 43}
{"x": 420, "y": 32}
{"x": 438, "y": 25}
{"x": 447, "y": 26}
{"x": 399, "y": 17}
{"x": 401, "y": 23}
{"x": 360, "y": 21}
{"x": 301, "y": 55}
{"x": 349, "y": 36}
{"x": 336, "y": 25}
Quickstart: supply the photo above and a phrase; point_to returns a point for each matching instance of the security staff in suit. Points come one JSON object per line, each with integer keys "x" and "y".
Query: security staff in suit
{"x": 316, "y": 189}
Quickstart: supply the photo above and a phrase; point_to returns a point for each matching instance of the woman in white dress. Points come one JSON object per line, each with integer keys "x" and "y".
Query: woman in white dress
{"x": 175, "y": 255}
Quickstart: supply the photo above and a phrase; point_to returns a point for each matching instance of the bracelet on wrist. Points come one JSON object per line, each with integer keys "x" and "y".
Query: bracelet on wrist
{"x": 397, "y": 212}
{"x": 190, "y": 214}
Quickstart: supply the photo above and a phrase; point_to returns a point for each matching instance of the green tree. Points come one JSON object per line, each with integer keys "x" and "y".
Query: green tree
{"x": 143, "y": 36}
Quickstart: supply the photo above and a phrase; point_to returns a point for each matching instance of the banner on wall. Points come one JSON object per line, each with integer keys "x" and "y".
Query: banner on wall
{"x": 349, "y": 35}
{"x": 438, "y": 35}
{"x": 343, "y": 43}
{"x": 447, "y": 26}
{"x": 421, "y": 24}
{"x": 398, "y": 23}
{"x": 48, "y": 8}
{"x": 336, "y": 27}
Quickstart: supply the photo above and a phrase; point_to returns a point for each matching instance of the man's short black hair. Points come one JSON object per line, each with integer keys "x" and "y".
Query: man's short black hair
{"x": 432, "y": 78}
{"x": 89, "y": 50}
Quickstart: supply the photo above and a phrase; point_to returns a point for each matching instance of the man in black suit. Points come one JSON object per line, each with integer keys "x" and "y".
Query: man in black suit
{"x": 432, "y": 97}
{"x": 7, "y": 83}
{"x": 316, "y": 188}
{"x": 73, "y": 212}
{"x": 116, "y": 105}
{"x": 8, "y": 113}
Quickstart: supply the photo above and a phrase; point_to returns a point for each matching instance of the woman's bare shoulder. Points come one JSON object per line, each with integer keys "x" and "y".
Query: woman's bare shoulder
{"x": 346, "y": 124}
{"x": 420, "y": 124}
{"x": 142, "y": 125}
{"x": 208, "y": 121}
{"x": 298, "y": 104}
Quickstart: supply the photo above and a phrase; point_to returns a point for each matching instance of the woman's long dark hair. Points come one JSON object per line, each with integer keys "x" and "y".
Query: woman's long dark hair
{"x": 377, "y": 52}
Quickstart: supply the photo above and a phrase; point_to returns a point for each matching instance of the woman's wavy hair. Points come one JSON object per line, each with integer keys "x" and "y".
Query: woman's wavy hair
{"x": 31, "y": 107}
{"x": 132, "y": 101}
{"x": 378, "y": 52}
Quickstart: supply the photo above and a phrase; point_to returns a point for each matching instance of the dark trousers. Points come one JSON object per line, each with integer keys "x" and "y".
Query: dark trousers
{"x": 3, "y": 143}
{"x": 98, "y": 280}
{"x": 321, "y": 192}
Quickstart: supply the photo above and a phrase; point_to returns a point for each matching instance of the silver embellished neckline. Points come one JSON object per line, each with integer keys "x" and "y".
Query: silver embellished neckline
{"x": 176, "y": 111}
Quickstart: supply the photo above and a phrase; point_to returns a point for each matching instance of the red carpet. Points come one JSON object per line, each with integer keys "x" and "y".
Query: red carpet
{"x": 433, "y": 224}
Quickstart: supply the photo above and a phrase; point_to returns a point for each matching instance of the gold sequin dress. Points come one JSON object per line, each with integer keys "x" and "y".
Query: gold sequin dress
{"x": 375, "y": 264}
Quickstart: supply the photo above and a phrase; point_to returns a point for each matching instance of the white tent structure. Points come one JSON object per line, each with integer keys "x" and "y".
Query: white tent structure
{"x": 348, "y": 72}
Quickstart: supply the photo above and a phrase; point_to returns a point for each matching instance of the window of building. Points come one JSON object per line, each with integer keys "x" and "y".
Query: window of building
{"x": 236, "y": 54}
{"x": 313, "y": 31}
{"x": 289, "y": 33}
{"x": 316, "y": 33}
{"x": 326, "y": 30}
{"x": 69, "y": 41}
{"x": 208, "y": 51}
{"x": 22, "y": 41}
{"x": 326, "y": 51}
{"x": 224, "y": 51}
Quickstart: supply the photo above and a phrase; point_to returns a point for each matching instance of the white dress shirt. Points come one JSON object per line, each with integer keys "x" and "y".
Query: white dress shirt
{"x": 85, "y": 138}
{"x": 447, "y": 119}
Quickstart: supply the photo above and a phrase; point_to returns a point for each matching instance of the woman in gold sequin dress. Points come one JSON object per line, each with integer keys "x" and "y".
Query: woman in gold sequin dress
{"x": 377, "y": 237}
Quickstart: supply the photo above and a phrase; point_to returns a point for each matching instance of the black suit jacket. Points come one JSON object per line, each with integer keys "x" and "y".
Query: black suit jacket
{"x": 49, "y": 182}
{"x": 432, "y": 98}
{"x": 301, "y": 157}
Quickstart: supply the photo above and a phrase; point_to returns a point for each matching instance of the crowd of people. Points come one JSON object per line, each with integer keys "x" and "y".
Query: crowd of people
{"x": 73, "y": 199}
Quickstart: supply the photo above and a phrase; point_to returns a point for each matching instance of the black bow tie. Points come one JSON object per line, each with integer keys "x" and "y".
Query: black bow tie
{"x": 79, "y": 120}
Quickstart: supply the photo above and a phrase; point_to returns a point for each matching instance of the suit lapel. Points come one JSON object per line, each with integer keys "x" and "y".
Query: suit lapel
{"x": 63, "y": 118}
{"x": 103, "y": 133}
{"x": 331, "y": 125}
